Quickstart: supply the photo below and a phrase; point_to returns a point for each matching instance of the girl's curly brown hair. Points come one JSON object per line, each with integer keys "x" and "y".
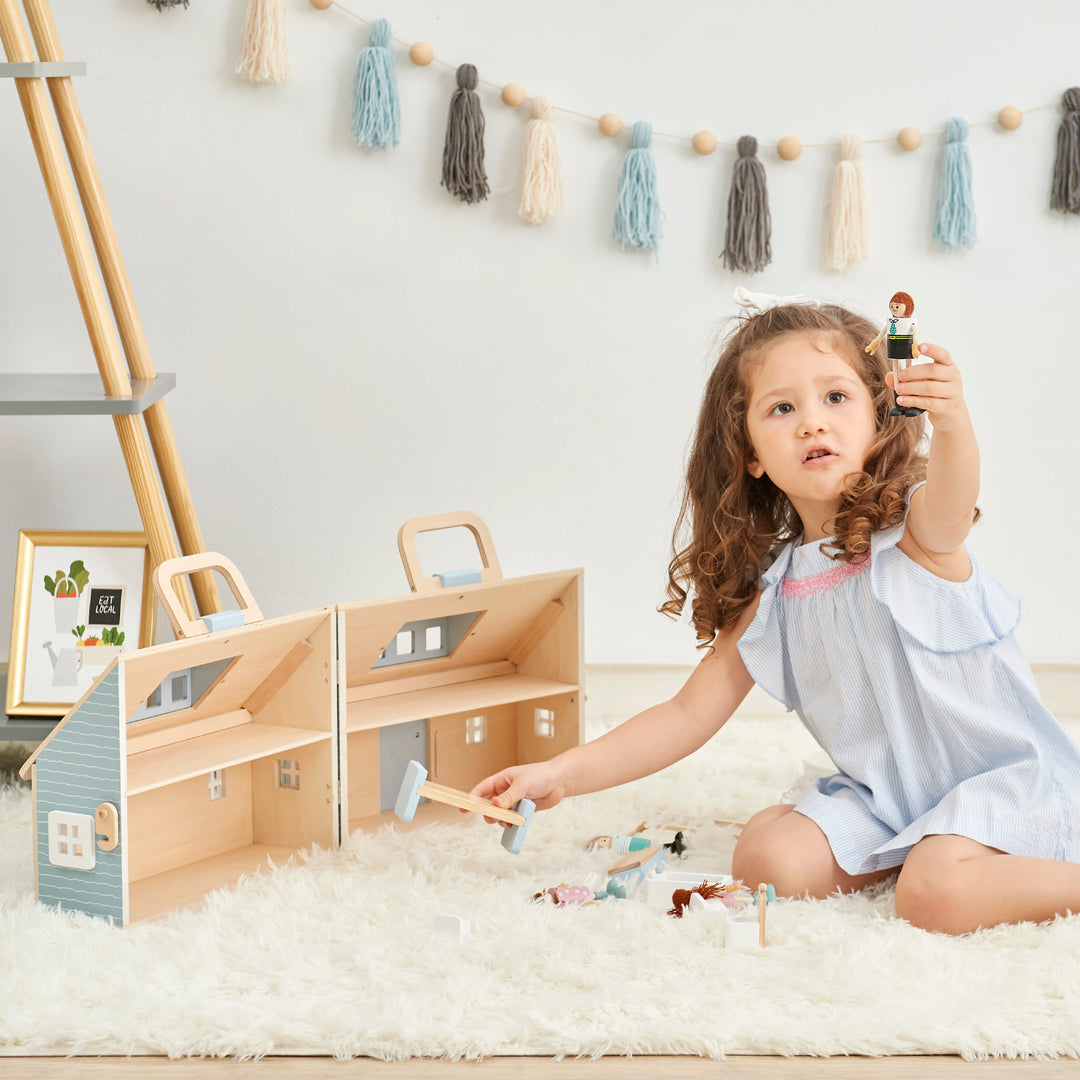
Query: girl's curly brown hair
{"x": 731, "y": 524}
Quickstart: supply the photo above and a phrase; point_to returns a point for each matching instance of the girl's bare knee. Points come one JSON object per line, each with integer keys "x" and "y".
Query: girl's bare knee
{"x": 931, "y": 898}
{"x": 772, "y": 853}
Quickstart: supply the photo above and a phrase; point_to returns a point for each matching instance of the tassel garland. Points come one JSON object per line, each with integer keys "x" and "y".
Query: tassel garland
{"x": 954, "y": 222}
{"x": 1065, "y": 192}
{"x": 637, "y": 209}
{"x": 747, "y": 244}
{"x": 541, "y": 181}
{"x": 847, "y": 240}
{"x": 264, "y": 53}
{"x": 376, "y": 110}
{"x": 463, "y": 152}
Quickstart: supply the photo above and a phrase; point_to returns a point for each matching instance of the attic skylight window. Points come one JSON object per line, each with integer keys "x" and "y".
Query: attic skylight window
{"x": 427, "y": 639}
{"x": 181, "y": 689}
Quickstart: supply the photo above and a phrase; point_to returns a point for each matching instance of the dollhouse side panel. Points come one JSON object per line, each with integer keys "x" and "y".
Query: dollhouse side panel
{"x": 80, "y": 768}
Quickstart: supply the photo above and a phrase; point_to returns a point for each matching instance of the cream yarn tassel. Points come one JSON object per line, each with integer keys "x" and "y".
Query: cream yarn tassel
{"x": 541, "y": 182}
{"x": 847, "y": 242}
{"x": 264, "y": 53}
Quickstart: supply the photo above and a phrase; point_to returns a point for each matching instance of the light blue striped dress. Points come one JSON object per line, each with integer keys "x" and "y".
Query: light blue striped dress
{"x": 918, "y": 691}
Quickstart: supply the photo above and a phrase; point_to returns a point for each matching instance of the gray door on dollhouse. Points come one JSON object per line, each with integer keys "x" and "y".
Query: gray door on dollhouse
{"x": 398, "y": 745}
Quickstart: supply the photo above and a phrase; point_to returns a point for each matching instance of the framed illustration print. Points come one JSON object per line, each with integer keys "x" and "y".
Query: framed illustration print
{"x": 80, "y": 598}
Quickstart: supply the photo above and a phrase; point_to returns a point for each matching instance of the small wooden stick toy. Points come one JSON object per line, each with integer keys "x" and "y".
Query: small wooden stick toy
{"x": 762, "y": 903}
{"x": 635, "y": 859}
{"x": 414, "y": 785}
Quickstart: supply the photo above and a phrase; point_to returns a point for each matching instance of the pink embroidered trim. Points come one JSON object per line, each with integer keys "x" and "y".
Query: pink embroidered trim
{"x": 823, "y": 582}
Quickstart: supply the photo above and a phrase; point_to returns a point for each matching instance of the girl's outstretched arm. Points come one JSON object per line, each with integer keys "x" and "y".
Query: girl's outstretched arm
{"x": 644, "y": 744}
{"x": 942, "y": 511}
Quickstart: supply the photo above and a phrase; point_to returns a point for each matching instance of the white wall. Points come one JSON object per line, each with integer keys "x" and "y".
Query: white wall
{"x": 353, "y": 347}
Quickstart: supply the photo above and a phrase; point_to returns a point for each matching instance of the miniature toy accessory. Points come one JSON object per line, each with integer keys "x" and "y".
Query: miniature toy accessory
{"x": 641, "y": 861}
{"x": 414, "y": 786}
{"x": 680, "y": 898}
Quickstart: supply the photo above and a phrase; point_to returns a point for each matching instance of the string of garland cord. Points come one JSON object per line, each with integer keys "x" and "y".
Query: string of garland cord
{"x": 638, "y": 217}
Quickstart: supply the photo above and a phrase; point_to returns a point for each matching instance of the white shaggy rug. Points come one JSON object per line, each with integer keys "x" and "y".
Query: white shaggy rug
{"x": 336, "y": 953}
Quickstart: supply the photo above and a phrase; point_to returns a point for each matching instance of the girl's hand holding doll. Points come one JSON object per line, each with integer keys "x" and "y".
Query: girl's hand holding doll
{"x": 935, "y": 387}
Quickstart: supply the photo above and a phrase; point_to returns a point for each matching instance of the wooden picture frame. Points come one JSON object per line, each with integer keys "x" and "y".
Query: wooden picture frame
{"x": 58, "y": 644}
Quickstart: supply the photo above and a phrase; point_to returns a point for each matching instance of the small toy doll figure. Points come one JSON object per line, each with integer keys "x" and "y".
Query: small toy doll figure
{"x": 899, "y": 332}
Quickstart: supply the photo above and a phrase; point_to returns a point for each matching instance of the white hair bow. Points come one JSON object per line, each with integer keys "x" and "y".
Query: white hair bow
{"x": 754, "y": 303}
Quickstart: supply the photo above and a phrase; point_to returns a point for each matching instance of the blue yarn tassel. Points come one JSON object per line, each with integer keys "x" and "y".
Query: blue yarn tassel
{"x": 637, "y": 211}
{"x": 376, "y": 112}
{"x": 954, "y": 224}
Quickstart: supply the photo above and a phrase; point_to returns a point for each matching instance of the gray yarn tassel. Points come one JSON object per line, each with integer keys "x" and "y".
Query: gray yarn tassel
{"x": 747, "y": 246}
{"x": 463, "y": 153}
{"x": 1065, "y": 192}
{"x": 161, "y": 5}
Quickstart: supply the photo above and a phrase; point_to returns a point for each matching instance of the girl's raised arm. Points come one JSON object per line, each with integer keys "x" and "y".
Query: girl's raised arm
{"x": 942, "y": 511}
{"x": 644, "y": 744}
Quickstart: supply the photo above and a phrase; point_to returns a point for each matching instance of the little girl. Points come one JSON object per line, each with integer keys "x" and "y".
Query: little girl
{"x": 825, "y": 555}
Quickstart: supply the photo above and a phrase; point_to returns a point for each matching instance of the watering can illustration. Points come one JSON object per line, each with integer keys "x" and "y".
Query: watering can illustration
{"x": 65, "y": 666}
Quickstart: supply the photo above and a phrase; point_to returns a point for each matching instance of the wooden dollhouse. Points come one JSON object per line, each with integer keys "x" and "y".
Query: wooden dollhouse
{"x": 192, "y": 763}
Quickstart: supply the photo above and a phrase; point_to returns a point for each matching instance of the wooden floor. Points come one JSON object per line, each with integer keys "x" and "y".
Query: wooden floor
{"x": 529, "y": 1068}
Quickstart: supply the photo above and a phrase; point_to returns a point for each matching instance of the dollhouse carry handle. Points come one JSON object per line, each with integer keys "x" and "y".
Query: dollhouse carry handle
{"x": 184, "y": 627}
{"x": 418, "y": 581}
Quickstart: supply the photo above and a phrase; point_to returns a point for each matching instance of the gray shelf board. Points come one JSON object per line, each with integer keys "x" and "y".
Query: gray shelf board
{"x": 28, "y": 729}
{"x": 70, "y": 395}
{"x": 42, "y": 69}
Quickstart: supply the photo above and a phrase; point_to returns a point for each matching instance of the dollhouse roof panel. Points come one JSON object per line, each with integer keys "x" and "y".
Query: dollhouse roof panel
{"x": 257, "y": 650}
{"x": 505, "y": 610}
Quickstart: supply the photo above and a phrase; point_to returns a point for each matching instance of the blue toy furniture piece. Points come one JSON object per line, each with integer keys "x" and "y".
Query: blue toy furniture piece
{"x": 414, "y": 787}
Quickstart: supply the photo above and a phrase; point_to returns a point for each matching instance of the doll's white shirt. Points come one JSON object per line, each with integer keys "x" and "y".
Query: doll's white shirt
{"x": 901, "y": 327}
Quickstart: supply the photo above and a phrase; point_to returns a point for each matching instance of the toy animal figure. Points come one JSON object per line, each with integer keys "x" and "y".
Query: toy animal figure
{"x": 899, "y": 333}
{"x": 677, "y": 845}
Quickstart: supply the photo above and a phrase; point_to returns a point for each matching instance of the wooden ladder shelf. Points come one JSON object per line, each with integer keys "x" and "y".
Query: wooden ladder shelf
{"x": 32, "y": 74}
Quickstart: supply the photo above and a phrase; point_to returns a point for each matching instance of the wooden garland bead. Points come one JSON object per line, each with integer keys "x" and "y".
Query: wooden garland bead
{"x": 704, "y": 142}
{"x": 321, "y": 5}
{"x": 910, "y": 138}
{"x": 789, "y": 148}
{"x": 421, "y": 54}
{"x": 513, "y": 94}
{"x": 610, "y": 124}
{"x": 1010, "y": 118}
